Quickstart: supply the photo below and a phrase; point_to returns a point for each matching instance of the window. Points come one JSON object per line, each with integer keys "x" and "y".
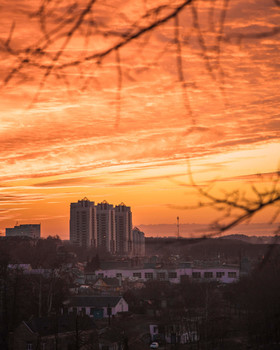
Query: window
{"x": 232, "y": 274}
{"x": 101, "y": 275}
{"x": 29, "y": 346}
{"x": 220, "y": 274}
{"x": 196, "y": 275}
{"x": 208, "y": 274}
{"x": 149, "y": 275}
{"x": 118, "y": 274}
{"x": 172, "y": 274}
{"x": 74, "y": 310}
{"x": 137, "y": 274}
{"x": 161, "y": 276}
{"x": 92, "y": 310}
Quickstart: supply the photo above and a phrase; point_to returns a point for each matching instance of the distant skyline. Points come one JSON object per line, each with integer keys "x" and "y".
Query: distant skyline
{"x": 75, "y": 140}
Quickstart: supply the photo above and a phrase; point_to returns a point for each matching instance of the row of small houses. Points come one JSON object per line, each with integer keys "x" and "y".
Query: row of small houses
{"x": 223, "y": 274}
{"x": 74, "y": 329}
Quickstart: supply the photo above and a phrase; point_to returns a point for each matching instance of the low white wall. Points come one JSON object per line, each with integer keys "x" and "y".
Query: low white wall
{"x": 227, "y": 277}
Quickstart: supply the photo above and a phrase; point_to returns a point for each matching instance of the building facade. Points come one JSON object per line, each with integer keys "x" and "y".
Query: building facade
{"x": 138, "y": 239}
{"x": 222, "y": 273}
{"x": 106, "y": 230}
{"x": 83, "y": 225}
{"x": 96, "y": 306}
{"x": 123, "y": 223}
{"x": 29, "y": 230}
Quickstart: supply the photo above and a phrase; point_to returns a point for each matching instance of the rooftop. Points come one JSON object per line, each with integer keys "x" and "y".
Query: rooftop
{"x": 94, "y": 301}
{"x": 65, "y": 323}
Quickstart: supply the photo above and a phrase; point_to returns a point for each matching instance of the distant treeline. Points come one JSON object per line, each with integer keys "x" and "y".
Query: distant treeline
{"x": 224, "y": 249}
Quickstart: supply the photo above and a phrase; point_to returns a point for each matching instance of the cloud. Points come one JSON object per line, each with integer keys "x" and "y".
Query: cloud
{"x": 68, "y": 138}
{"x": 66, "y": 182}
{"x": 261, "y": 177}
{"x": 17, "y": 198}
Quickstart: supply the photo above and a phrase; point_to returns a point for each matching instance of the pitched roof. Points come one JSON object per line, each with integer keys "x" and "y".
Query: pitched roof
{"x": 94, "y": 301}
{"x": 109, "y": 281}
{"x": 112, "y": 281}
{"x": 62, "y": 324}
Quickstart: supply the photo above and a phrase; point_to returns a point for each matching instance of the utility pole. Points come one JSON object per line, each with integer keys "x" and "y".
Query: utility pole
{"x": 109, "y": 313}
{"x": 178, "y": 228}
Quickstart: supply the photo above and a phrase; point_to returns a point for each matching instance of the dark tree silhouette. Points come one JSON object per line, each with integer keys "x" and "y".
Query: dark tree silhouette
{"x": 238, "y": 206}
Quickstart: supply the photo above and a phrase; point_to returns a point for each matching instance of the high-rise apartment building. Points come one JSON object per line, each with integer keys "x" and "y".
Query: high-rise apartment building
{"x": 106, "y": 230}
{"x": 83, "y": 226}
{"x": 138, "y": 239}
{"x": 28, "y": 230}
{"x": 123, "y": 220}
{"x": 105, "y": 227}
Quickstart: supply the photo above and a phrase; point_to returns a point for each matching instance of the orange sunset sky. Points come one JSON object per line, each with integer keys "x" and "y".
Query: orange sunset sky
{"x": 124, "y": 127}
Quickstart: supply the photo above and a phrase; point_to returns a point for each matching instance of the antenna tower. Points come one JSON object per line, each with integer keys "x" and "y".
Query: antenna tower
{"x": 178, "y": 227}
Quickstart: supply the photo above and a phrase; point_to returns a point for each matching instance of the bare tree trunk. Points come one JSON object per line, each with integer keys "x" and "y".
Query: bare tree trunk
{"x": 40, "y": 298}
{"x": 50, "y": 298}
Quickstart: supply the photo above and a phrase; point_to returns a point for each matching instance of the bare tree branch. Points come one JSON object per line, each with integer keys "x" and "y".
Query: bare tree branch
{"x": 247, "y": 207}
{"x": 180, "y": 70}
{"x": 119, "y": 89}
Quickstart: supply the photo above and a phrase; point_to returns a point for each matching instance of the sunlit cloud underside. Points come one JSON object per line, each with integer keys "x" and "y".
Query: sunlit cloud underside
{"x": 84, "y": 135}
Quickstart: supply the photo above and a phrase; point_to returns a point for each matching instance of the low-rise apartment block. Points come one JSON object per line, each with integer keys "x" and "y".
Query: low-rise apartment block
{"x": 223, "y": 273}
{"x": 27, "y": 230}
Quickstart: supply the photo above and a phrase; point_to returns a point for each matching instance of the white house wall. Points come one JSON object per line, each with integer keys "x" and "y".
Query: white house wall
{"x": 181, "y": 272}
{"x": 121, "y": 306}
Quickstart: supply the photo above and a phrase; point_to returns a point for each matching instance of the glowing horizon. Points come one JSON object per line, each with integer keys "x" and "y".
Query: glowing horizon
{"x": 84, "y": 136}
